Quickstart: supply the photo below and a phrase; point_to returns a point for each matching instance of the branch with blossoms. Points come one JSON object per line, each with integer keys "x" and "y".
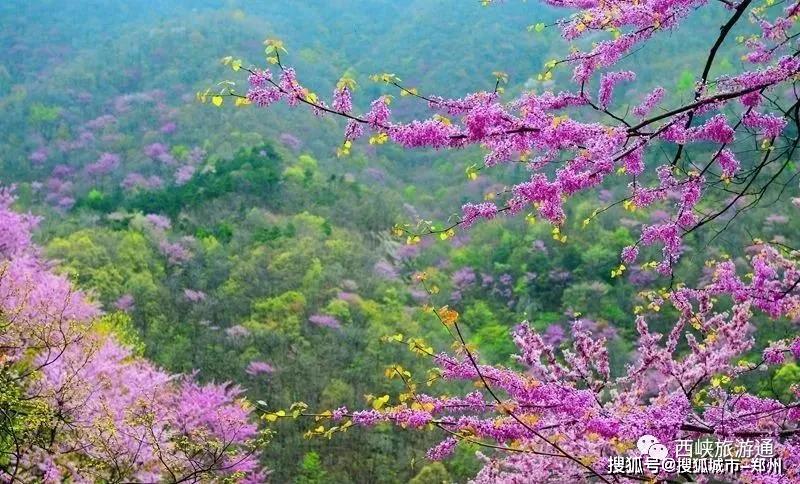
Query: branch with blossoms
{"x": 540, "y": 129}
{"x": 707, "y": 159}
{"x": 566, "y": 414}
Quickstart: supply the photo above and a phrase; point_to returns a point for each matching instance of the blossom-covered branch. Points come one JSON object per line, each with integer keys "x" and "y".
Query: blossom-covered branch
{"x": 545, "y": 130}
{"x": 705, "y": 159}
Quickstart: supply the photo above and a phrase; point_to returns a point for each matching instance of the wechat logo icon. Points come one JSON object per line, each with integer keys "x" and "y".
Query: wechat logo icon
{"x": 652, "y": 447}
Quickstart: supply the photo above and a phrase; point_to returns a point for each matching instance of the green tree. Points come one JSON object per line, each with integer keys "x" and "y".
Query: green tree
{"x": 311, "y": 470}
{"x": 434, "y": 473}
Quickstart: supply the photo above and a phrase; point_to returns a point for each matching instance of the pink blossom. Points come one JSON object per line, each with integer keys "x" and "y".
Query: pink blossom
{"x": 728, "y": 162}
{"x": 170, "y": 127}
{"x": 155, "y": 150}
{"x": 650, "y": 102}
{"x": 629, "y": 254}
{"x": 255, "y": 368}
{"x": 183, "y": 174}
{"x": 159, "y": 222}
{"x": 107, "y": 163}
{"x": 473, "y": 212}
{"x": 324, "y": 320}
{"x": 608, "y": 82}
{"x": 768, "y": 124}
{"x": 194, "y": 296}
{"x": 39, "y": 155}
{"x": 342, "y": 100}
{"x": 125, "y": 303}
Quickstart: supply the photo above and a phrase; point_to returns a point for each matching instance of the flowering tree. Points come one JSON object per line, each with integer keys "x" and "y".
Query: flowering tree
{"x": 77, "y": 405}
{"x": 565, "y": 416}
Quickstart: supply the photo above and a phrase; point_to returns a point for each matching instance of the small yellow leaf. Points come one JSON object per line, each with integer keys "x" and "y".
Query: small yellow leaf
{"x": 379, "y": 402}
{"x": 346, "y": 82}
{"x": 447, "y": 234}
{"x": 344, "y": 150}
{"x": 271, "y": 417}
{"x": 378, "y": 139}
{"x": 472, "y": 172}
{"x": 216, "y": 101}
{"x": 443, "y": 119}
{"x": 274, "y": 45}
{"x": 448, "y": 316}
{"x": 500, "y": 76}
{"x": 398, "y": 231}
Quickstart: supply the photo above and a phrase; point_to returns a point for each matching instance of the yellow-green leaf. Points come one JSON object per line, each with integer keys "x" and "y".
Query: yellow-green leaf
{"x": 378, "y": 139}
{"x": 379, "y": 402}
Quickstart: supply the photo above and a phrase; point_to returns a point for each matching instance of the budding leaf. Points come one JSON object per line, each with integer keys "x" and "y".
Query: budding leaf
{"x": 379, "y": 402}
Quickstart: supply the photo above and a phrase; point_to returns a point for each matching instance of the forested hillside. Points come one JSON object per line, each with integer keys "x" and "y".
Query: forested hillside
{"x": 262, "y": 255}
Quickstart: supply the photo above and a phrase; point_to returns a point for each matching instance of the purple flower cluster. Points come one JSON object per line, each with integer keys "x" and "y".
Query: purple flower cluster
{"x": 255, "y": 368}
{"x": 325, "y": 321}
